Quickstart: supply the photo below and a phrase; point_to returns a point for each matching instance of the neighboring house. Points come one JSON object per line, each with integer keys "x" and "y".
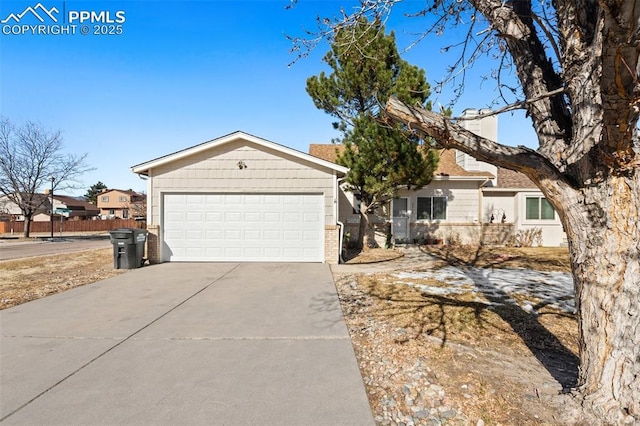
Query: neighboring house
{"x": 459, "y": 203}
{"x": 77, "y": 209}
{"x": 242, "y": 198}
{"x": 121, "y": 204}
{"x": 11, "y": 212}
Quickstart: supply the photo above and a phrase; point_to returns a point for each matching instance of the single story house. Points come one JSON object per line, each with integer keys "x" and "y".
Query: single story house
{"x": 468, "y": 201}
{"x": 242, "y": 198}
{"x": 11, "y": 211}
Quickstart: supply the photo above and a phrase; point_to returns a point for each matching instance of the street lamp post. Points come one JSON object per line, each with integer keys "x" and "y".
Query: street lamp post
{"x": 51, "y": 217}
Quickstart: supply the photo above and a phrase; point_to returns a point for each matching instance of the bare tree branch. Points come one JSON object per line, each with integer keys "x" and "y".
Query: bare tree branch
{"x": 511, "y": 107}
{"x": 30, "y": 156}
{"x": 450, "y": 135}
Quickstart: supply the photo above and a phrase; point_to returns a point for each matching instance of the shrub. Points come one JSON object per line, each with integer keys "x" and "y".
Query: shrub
{"x": 529, "y": 237}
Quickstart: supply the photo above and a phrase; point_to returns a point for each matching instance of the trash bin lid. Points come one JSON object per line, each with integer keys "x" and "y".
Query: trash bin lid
{"x": 121, "y": 234}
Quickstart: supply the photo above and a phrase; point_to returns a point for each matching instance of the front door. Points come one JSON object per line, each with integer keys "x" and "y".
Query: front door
{"x": 401, "y": 219}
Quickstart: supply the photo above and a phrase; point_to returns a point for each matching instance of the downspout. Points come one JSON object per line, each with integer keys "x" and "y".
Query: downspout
{"x": 336, "y": 197}
{"x": 480, "y": 208}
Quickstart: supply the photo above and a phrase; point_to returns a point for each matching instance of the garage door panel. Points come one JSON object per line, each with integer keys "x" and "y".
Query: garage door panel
{"x": 254, "y": 217}
{"x": 232, "y": 252}
{"x": 271, "y": 217}
{"x": 174, "y": 234}
{"x": 193, "y": 251}
{"x": 252, "y": 252}
{"x": 291, "y": 217}
{"x": 269, "y": 235}
{"x": 193, "y": 234}
{"x": 194, "y": 199}
{"x": 213, "y": 234}
{"x": 243, "y": 227}
{"x": 291, "y": 235}
{"x": 272, "y": 199}
{"x": 213, "y": 199}
{"x": 254, "y": 200}
{"x": 213, "y": 217}
{"x": 232, "y": 199}
{"x": 309, "y": 236}
{"x": 232, "y": 217}
{"x": 232, "y": 234}
{"x": 313, "y": 217}
{"x": 214, "y": 252}
{"x": 175, "y": 216}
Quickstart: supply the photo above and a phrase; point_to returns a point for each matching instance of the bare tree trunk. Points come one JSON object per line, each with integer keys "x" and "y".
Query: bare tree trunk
{"x": 366, "y": 233}
{"x": 27, "y": 225}
{"x": 605, "y": 255}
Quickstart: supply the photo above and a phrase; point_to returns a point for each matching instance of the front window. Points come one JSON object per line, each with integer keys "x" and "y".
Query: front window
{"x": 123, "y": 198}
{"x": 112, "y": 212}
{"x": 125, "y": 213}
{"x": 538, "y": 208}
{"x": 432, "y": 208}
{"x": 105, "y": 198}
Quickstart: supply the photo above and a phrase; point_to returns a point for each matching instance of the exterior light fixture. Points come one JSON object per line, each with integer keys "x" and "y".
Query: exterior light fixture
{"x": 503, "y": 217}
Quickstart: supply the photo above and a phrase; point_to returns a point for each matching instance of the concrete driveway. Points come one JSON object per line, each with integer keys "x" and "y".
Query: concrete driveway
{"x": 184, "y": 343}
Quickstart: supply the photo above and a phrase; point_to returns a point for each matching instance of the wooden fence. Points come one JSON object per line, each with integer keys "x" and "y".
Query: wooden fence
{"x": 72, "y": 226}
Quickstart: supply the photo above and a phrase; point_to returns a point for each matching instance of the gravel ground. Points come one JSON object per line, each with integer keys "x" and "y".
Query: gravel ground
{"x": 420, "y": 380}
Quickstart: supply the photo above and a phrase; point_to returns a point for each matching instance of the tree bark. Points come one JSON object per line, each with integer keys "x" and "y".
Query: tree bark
{"x": 366, "y": 233}
{"x": 27, "y": 226}
{"x": 605, "y": 248}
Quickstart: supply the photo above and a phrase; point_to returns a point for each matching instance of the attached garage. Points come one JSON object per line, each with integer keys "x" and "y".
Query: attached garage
{"x": 244, "y": 227}
{"x": 240, "y": 198}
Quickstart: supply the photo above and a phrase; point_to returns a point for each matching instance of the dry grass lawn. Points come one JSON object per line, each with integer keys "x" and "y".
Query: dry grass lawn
{"x": 537, "y": 258}
{"x": 23, "y": 280}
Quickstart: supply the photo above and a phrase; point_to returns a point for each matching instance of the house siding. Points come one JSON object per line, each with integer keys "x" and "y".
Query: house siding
{"x": 498, "y": 204}
{"x": 552, "y": 233}
{"x": 462, "y": 200}
{"x": 217, "y": 170}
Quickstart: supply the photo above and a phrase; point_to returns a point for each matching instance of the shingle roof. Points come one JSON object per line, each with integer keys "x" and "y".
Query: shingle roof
{"x": 510, "y": 179}
{"x": 447, "y": 165}
{"x": 75, "y": 204}
{"x": 124, "y": 191}
{"x": 327, "y": 152}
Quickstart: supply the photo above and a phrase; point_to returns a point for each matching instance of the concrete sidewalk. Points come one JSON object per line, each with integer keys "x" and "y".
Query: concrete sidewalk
{"x": 236, "y": 344}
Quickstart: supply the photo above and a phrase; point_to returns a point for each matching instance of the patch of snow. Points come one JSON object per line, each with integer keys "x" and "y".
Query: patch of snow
{"x": 551, "y": 288}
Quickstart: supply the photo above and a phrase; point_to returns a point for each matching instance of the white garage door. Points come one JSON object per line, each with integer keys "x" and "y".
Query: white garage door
{"x": 243, "y": 227}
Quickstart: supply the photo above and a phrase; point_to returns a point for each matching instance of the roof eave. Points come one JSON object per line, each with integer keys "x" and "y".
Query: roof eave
{"x": 513, "y": 189}
{"x": 478, "y": 178}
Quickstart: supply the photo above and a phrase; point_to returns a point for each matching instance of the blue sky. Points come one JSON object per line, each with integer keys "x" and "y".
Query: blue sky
{"x": 184, "y": 72}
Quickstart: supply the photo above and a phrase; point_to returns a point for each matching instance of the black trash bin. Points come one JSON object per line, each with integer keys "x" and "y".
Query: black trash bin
{"x": 128, "y": 247}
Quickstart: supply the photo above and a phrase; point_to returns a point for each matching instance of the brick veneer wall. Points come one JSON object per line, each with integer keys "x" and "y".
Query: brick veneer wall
{"x": 153, "y": 244}
{"x": 331, "y": 244}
